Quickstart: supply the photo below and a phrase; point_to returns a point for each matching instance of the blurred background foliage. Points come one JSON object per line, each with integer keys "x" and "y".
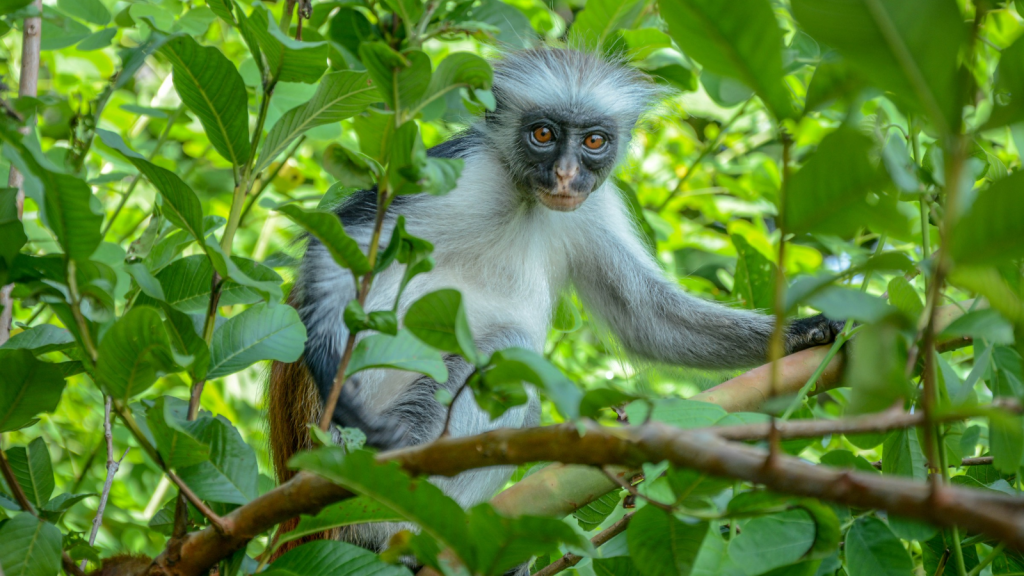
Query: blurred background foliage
{"x": 703, "y": 179}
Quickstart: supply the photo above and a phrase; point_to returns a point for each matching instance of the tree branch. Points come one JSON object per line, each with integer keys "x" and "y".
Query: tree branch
{"x": 570, "y": 559}
{"x": 112, "y": 466}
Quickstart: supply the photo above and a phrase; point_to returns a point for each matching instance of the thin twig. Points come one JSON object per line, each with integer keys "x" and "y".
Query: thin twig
{"x": 569, "y": 560}
{"x": 987, "y": 559}
{"x": 972, "y": 461}
{"x": 628, "y": 487}
{"x": 112, "y": 467}
{"x": 264, "y": 182}
{"x": 451, "y": 407}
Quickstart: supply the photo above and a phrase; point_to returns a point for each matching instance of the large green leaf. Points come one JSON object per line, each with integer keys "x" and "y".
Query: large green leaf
{"x": 40, "y": 339}
{"x": 327, "y": 228}
{"x": 402, "y": 78}
{"x": 12, "y": 231}
{"x": 439, "y": 319}
{"x": 401, "y": 352}
{"x": 768, "y": 542}
{"x": 617, "y": 566}
{"x": 754, "y": 281}
{"x": 181, "y": 205}
{"x": 186, "y": 284}
{"x": 818, "y": 201}
{"x": 600, "y": 20}
{"x": 33, "y": 470}
{"x": 522, "y": 365}
{"x": 1009, "y": 87}
{"x": 908, "y": 47}
{"x": 901, "y": 455}
{"x": 332, "y": 558}
{"x": 68, "y": 206}
{"x": 92, "y": 11}
{"x": 990, "y": 232}
{"x": 662, "y": 545}
{"x": 460, "y": 70}
{"x": 185, "y": 337}
{"x": 31, "y": 547}
{"x": 269, "y": 290}
{"x": 134, "y": 352}
{"x": 414, "y": 499}
{"x": 230, "y": 475}
{"x": 210, "y": 85}
{"x": 176, "y": 437}
{"x": 27, "y": 387}
{"x": 873, "y": 550}
{"x": 345, "y": 513}
{"x": 876, "y": 369}
{"x": 260, "y": 333}
{"x": 339, "y": 95}
{"x": 288, "y": 60}
{"x": 741, "y": 40}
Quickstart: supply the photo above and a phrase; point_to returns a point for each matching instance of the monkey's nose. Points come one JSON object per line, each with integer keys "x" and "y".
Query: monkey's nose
{"x": 566, "y": 172}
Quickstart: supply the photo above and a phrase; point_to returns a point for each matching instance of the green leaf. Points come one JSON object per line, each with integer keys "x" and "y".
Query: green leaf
{"x": 332, "y": 558}
{"x": 985, "y": 324}
{"x": 12, "y": 232}
{"x": 460, "y": 70}
{"x": 181, "y": 205}
{"x": 740, "y": 40}
{"x": 845, "y": 303}
{"x": 1006, "y": 442}
{"x": 567, "y": 317}
{"x": 212, "y": 88}
{"x": 989, "y": 233}
{"x": 260, "y": 333}
{"x": 230, "y": 474}
{"x": 901, "y": 455}
{"x": 592, "y": 515}
{"x": 345, "y": 513}
{"x": 618, "y": 566}
{"x": 176, "y": 436}
{"x": 768, "y": 542}
{"x": 401, "y": 352}
{"x": 97, "y": 40}
{"x": 134, "y": 352}
{"x": 521, "y": 365}
{"x": 27, "y": 387}
{"x": 270, "y": 289}
{"x": 92, "y": 11}
{"x": 68, "y": 206}
{"x": 817, "y": 201}
{"x": 908, "y": 48}
{"x": 599, "y": 21}
{"x": 60, "y": 31}
{"x": 186, "y": 284}
{"x": 8, "y": 6}
{"x": 414, "y": 499}
{"x": 402, "y": 76}
{"x": 225, "y": 9}
{"x": 754, "y": 281}
{"x": 903, "y": 296}
{"x": 661, "y": 545}
{"x": 439, "y": 319}
{"x": 31, "y": 547}
{"x": 1009, "y": 87}
{"x": 847, "y": 459}
{"x": 677, "y": 412}
{"x": 327, "y": 228}
{"x": 288, "y": 60}
{"x": 33, "y": 470}
{"x": 339, "y": 95}
{"x": 873, "y": 550}
{"x": 40, "y": 340}
{"x": 831, "y": 81}
{"x": 182, "y": 331}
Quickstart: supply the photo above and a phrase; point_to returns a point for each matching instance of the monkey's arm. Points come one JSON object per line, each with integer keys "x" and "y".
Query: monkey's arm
{"x": 654, "y": 318}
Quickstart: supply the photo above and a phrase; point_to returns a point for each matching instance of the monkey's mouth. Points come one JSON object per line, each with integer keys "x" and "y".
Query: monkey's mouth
{"x": 561, "y": 201}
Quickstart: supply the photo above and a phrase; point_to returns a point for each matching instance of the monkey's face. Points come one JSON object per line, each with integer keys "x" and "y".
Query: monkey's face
{"x": 565, "y": 158}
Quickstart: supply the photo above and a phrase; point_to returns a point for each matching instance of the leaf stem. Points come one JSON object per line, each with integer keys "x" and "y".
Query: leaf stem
{"x": 76, "y": 311}
{"x": 269, "y": 179}
{"x": 569, "y": 560}
{"x": 987, "y": 559}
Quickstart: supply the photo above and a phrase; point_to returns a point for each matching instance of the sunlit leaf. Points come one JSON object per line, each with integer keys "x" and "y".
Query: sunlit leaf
{"x": 33, "y": 470}
{"x": 27, "y": 387}
{"x": 662, "y": 545}
{"x": 401, "y": 352}
{"x": 134, "y": 352}
{"x": 260, "y": 333}
{"x": 873, "y": 550}
{"x": 31, "y": 547}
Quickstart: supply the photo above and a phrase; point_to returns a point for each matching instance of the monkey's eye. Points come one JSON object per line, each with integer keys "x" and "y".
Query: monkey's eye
{"x": 542, "y": 135}
{"x": 594, "y": 141}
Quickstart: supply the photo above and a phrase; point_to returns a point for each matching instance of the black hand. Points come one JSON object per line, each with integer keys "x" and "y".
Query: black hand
{"x": 814, "y": 331}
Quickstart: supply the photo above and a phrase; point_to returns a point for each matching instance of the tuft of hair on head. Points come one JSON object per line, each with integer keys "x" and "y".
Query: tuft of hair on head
{"x": 568, "y": 80}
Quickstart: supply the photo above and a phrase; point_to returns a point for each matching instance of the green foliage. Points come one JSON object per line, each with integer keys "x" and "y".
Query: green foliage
{"x": 882, "y": 138}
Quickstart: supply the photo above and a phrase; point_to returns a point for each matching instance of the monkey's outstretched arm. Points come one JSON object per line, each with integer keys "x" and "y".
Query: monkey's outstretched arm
{"x": 654, "y": 318}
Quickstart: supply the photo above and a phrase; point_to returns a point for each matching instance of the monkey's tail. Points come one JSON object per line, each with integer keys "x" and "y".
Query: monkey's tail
{"x": 292, "y": 404}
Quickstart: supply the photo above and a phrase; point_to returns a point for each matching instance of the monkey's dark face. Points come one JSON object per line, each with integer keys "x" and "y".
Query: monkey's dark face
{"x": 565, "y": 157}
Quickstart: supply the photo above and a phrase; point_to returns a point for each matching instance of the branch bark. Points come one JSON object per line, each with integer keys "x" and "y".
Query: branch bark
{"x": 28, "y": 83}
{"x": 112, "y": 467}
{"x": 569, "y": 560}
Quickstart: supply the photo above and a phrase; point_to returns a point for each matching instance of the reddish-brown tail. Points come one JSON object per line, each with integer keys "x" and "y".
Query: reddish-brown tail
{"x": 292, "y": 404}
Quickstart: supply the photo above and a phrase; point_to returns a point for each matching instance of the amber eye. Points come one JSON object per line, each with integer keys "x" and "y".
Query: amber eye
{"x": 594, "y": 141}
{"x": 543, "y": 135}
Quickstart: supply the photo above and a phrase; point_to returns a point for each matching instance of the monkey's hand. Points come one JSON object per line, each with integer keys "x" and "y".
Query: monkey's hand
{"x": 382, "y": 432}
{"x": 813, "y": 331}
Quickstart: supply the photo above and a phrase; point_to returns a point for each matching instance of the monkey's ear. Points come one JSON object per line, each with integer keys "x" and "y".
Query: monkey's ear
{"x": 123, "y": 565}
